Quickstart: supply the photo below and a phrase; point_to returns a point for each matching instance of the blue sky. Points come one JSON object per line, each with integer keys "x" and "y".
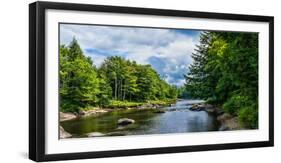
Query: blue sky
{"x": 167, "y": 50}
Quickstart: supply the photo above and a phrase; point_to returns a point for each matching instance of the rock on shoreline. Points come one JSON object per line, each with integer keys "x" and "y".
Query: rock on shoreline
{"x": 227, "y": 121}
{"x": 64, "y": 134}
{"x": 198, "y": 107}
{"x": 67, "y": 116}
{"x": 91, "y": 112}
{"x": 206, "y": 107}
{"x": 82, "y": 113}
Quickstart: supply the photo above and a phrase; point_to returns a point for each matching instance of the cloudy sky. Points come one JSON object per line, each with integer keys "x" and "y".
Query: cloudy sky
{"x": 167, "y": 50}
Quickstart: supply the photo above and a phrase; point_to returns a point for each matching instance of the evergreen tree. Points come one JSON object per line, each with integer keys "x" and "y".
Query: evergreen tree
{"x": 79, "y": 85}
{"x": 199, "y": 83}
{"x": 225, "y": 72}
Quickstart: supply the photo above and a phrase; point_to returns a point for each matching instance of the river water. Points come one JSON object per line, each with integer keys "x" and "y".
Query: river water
{"x": 176, "y": 119}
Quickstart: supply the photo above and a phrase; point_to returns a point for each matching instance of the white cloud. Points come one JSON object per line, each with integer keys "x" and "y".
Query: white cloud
{"x": 168, "y": 51}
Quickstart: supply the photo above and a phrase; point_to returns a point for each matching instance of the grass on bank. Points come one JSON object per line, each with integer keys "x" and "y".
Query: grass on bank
{"x": 130, "y": 104}
{"x": 117, "y": 104}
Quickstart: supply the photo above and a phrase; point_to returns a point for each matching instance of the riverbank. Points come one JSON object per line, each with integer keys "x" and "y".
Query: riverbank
{"x": 114, "y": 105}
{"x": 227, "y": 121}
{"x": 96, "y": 111}
{"x": 129, "y": 118}
{"x": 66, "y": 116}
{"x": 175, "y": 118}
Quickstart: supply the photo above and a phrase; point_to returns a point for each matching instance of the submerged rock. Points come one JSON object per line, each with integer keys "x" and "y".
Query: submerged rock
{"x": 125, "y": 121}
{"x": 159, "y": 111}
{"x": 116, "y": 134}
{"x": 122, "y": 127}
{"x": 64, "y": 134}
{"x": 223, "y": 128}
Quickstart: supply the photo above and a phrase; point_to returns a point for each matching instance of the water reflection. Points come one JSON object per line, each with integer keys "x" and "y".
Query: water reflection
{"x": 177, "y": 119}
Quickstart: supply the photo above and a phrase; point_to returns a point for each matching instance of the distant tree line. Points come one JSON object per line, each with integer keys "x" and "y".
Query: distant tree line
{"x": 82, "y": 84}
{"x": 225, "y": 73}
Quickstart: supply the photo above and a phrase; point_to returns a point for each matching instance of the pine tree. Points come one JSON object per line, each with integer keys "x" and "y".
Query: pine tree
{"x": 225, "y": 72}
{"x": 197, "y": 76}
{"x": 79, "y": 83}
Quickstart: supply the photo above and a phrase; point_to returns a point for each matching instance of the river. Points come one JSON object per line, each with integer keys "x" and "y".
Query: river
{"x": 176, "y": 119}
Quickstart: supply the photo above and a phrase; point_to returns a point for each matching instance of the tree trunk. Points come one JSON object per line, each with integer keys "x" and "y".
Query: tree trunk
{"x": 120, "y": 93}
{"x": 124, "y": 95}
{"x": 115, "y": 93}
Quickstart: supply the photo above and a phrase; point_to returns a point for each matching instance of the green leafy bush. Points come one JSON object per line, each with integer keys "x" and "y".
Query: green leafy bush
{"x": 211, "y": 100}
{"x": 68, "y": 106}
{"x": 248, "y": 117}
{"x": 122, "y": 104}
{"x": 235, "y": 103}
{"x": 244, "y": 108}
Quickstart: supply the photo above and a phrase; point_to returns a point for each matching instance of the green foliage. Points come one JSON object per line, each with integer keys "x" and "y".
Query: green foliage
{"x": 123, "y": 104}
{"x": 162, "y": 102}
{"x": 225, "y": 72}
{"x": 211, "y": 100}
{"x": 235, "y": 103}
{"x": 78, "y": 86}
{"x": 248, "y": 116}
{"x": 105, "y": 90}
{"x": 134, "y": 82}
{"x": 182, "y": 93}
{"x": 129, "y": 104}
{"x": 117, "y": 83}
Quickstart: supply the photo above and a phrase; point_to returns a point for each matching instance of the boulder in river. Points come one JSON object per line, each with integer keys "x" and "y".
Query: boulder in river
{"x": 125, "y": 121}
{"x": 95, "y": 134}
{"x": 64, "y": 134}
{"x": 197, "y": 107}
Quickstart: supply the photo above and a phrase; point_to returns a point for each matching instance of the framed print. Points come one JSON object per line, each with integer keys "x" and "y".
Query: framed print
{"x": 111, "y": 81}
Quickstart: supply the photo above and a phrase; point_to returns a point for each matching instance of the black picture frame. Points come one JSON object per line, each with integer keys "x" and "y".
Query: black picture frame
{"x": 37, "y": 80}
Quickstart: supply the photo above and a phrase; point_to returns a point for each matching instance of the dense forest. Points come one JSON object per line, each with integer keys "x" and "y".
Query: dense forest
{"x": 117, "y": 82}
{"x": 225, "y": 73}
